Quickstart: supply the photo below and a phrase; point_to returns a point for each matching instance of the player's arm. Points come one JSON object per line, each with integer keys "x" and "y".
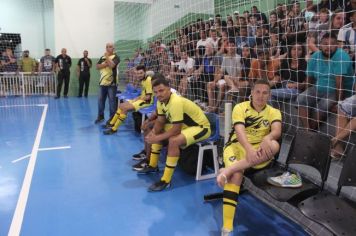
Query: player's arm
{"x": 101, "y": 64}
{"x": 266, "y": 145}
{"x": 251, "y": 153}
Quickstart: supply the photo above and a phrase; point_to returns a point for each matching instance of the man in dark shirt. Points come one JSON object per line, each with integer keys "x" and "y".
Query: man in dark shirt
{"x": 63, "y": 64}
{"x": 83, "y": 73}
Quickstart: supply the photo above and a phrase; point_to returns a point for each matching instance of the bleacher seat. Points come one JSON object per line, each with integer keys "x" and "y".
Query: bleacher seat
{"x": 307, "y": 148}
{"x": 332, "y": 211}
{"x": 130, "y": 93}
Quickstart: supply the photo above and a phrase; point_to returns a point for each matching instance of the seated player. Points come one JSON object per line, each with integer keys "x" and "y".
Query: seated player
{"x": 189, "y": 126}
{"x": 142, "y": 101}
{"x": 253, "y": 142}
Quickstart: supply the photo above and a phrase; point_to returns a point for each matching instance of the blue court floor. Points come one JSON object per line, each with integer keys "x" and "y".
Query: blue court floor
{"x": 59, "y": 175}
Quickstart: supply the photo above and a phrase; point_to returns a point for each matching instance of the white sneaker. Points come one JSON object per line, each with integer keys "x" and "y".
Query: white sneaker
{"x": 286, "y": 180}
{"x": 225, "y": 232}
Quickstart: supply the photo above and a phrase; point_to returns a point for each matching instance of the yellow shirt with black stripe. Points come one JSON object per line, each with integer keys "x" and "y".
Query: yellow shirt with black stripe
{"x": 181, "y": 110}
{"x": 146, "y": 88}
{"x": 107, "y": 74}
{"x": 257, "y": 124}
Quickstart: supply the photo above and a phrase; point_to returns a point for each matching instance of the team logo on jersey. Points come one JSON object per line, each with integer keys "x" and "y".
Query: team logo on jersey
{"x": 265, "y": 123}
{"x": 233, "y": 158}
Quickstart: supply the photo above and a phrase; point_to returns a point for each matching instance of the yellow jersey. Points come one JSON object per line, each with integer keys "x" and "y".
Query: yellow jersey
{"x": 146, "y": 88}
{"x": 181, "y": 110}
{"x": 257, "y": 124}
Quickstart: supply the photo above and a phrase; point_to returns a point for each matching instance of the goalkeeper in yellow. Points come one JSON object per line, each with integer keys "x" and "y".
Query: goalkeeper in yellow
{"x": 142, "y": 101}
{"x": 253, "y": 143}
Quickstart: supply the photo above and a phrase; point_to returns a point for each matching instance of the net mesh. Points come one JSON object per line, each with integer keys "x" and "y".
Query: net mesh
{"x": 213, "y": 51}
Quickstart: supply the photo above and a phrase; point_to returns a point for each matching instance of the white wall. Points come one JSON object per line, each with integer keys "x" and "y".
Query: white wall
{"x": 33, "y": 19}
{"x": 163, "y": 13}
{"x": 83, "y": 24}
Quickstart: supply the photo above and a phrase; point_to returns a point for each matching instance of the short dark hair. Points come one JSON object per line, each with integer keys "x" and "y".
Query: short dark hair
{"x": 141, "y": 67}
{"x": 159, "y": 79}
{"x": 47, "y": 49}
{"x": 261, "y": 81}
{"x": 329, "y": 35}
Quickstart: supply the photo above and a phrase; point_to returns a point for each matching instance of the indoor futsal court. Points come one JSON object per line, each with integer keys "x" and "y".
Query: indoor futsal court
{"x": 177, "y": 118}
{"x": 70, "y": 179}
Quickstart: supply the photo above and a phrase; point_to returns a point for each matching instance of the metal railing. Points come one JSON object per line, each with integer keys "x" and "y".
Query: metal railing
{"x": 24, "y": 83}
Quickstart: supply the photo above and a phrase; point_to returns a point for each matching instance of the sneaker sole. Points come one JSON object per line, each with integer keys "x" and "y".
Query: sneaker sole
{"x": 153, "y": 190}
{"x": 138, "y": 158}
{"x": 146, "y": 173}
{"x": 283, "y": 186}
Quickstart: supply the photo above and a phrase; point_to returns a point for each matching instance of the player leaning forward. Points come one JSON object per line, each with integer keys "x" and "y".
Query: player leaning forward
{"x": 253, "y": 143}
{"x": 189, "y": 126}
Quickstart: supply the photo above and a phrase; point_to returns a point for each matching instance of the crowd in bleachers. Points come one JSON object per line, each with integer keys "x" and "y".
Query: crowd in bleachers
{"x": 307, "y": 55}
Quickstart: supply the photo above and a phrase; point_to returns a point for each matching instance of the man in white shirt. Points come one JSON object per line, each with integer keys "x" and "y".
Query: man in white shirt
{"x": 185, "y": 70}
{"x": 213, "y": 39}
{"x": 203, "y": 40}
{"x": 347, "y": 35}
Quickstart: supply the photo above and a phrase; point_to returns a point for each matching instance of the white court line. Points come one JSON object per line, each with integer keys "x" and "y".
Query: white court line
{"x": 54, "y": 148}
{"x": 25, "y": 105}
{"x": 21, "y": 158}
{"x": 40, "y": 149}
{"x": 17, "y": 219}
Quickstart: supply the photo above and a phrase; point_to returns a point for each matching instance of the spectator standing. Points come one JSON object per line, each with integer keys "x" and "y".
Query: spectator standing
{"x": 26, "y": 63}
{"x": 63, "y": 64}
{"x": 47, "y": 62}
{"x": 107, "y": 65}
{"x": 83, "y": 73}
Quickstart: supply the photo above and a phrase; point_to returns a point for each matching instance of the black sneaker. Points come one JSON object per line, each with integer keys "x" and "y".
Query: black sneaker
{"x": 107, "y": 126}
{"x": 141, "y": 165}
{"x": 57, "y": 97}
{"x": 109, "y": 132}
{"x": 147, "y": 169}
{"x": 99, "y": 119}
{"x": 139, "y": 156}
{"x": 159, "y": 186}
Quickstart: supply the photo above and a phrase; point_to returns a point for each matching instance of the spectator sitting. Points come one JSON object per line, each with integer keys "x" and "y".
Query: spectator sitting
{"x": 264, "y": 67}
{"x": 295, "y": 25}
{"x": 252, "y": 26}
{"x": 291, "y": 75}
{"x": 228, "y": 75}
{"x": 203, "y": 40}
{"x": 206, "y": 71}
{"x": 137, "y": 58}
{"x": 243, "y": 40}
{"x": 345, "y": 124}
{"x": 331, "y": 69}
{"x": 347, "y": 35}
{"x": 185, "y": 70}
{"x": 213, "y": 39}
{"x": 26, "y": 63}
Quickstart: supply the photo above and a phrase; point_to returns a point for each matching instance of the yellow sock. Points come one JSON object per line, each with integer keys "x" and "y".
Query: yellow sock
{"x": 115, "y": 117}
{"x": 154, "y": 156}
{"x": 171, "y": 164}
{"x": 231, "y": 193}
{"x": 119, "y": 121}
